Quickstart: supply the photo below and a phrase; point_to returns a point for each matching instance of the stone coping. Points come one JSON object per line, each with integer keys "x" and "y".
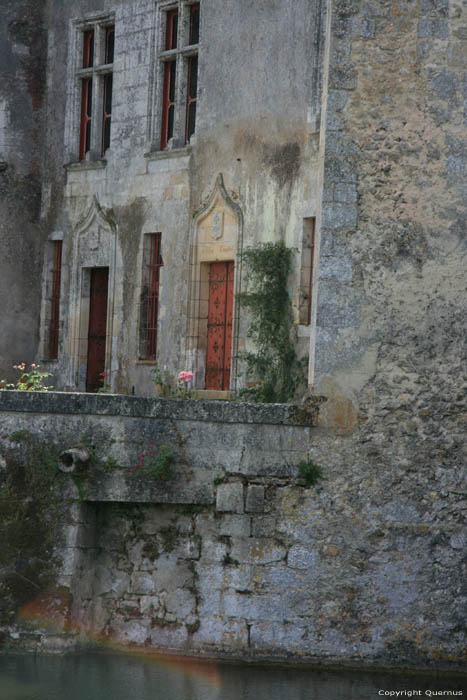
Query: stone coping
{"x": 139, "y": 407}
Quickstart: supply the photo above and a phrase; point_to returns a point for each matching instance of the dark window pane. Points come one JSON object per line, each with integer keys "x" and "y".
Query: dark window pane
{"x": 91, "y": 50}
{"x": 171, "y": 30}
{"x": 88, "y": 49}
{"x": 88, "y": 137}
{"x": 106, "y": 143}
{"x": 107, "y": 112}
{"x": 89, "y": 96}
{"x": 108, "y": 94}
{"x": 191, "y": 120}
{"x": 194, "y": 24}
{"x": 85, "y": 121}
{"x": 109, "y": 45}
{"x": 170, "y": 124}
{"x": 174, "y": 31}
{"x": 172, "y": 81}
{"x": 193, "y": 77}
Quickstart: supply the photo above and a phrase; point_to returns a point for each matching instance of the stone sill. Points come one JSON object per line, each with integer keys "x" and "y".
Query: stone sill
{"x": 174, "y": 153}
{"x": 139, "y": 407}
{"x": 210, "y": 394}
{"x": 86, "y": 165}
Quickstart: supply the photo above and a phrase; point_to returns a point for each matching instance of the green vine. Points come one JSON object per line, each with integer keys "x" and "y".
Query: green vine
{"x": 274, "y": 364}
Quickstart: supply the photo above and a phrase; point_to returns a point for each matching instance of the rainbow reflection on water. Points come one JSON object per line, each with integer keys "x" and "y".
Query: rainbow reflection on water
{"x": 49, "y": 613}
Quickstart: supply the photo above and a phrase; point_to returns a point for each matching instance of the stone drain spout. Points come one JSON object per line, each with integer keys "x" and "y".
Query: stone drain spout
{"x": 74, "y": 459}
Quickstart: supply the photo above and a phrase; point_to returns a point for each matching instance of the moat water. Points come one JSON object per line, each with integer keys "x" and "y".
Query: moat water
{"x": 104, "y": 676}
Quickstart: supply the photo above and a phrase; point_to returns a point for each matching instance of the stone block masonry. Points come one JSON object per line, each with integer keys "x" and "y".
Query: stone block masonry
{"x": 234, "y": 557}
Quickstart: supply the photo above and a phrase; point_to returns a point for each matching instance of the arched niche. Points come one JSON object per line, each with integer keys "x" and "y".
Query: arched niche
{"x": 93, "y": 248}
{"x": 217, "y": 236}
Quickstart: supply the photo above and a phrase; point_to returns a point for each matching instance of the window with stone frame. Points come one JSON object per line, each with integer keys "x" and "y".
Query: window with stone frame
{"x": 306, "y": 270}
{"x": 149, "y": 313}
{"x": 178, "y": 71}
{"x": 95, "y": 76}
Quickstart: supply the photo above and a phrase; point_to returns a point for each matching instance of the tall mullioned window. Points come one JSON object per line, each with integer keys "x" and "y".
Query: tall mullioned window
{"x": 179, "y": 62}
{"x": 96, "y": 77}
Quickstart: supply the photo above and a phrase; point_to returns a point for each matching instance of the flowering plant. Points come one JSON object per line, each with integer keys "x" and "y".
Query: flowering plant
{"x": 32, "y": 380}
{"x": 155, "y": 463}
{"x": 167, "y": 387}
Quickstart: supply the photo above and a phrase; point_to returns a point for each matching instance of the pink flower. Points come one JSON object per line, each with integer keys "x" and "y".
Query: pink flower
{"x": 33, "y": 365}
{"x": 185, "y": 376}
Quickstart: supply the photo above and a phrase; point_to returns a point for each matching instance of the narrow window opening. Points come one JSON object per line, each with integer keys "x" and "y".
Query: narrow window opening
{"x": 88, "y": 49}
{"x": 55, "y": 280}
{"x": 171, "y": 30}
{"x": 152, "y": 263}
{"x": 107, "y": 113}
{"x": 306, "y": 272}
{"x": 86, "y": 117}
{"x": 109, "y": 44}
{"x": 168, "y": 107}
{"x": 192, "y": 91}
{"x": 194, "y": 24}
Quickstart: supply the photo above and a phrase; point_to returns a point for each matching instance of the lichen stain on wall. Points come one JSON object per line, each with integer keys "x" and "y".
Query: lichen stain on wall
{"x": 129, "y": 220}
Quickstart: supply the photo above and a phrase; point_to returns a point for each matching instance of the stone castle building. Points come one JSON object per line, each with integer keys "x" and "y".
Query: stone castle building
{"x": 143, "y": 145}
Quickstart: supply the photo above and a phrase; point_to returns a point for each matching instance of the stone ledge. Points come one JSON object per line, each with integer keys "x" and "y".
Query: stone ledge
{"x": 139, "y": 407}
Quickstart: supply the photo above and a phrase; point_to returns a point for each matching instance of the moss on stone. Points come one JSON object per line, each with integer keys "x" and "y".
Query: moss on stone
{"x": 30, "y": 507}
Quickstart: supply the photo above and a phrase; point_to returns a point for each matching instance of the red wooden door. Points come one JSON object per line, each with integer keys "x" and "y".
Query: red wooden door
{"x": 97, "y": 328}
{"x": 219, "y": 345}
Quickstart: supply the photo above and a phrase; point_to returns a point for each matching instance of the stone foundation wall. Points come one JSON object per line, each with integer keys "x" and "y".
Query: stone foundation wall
{"x": 235, "y": 556}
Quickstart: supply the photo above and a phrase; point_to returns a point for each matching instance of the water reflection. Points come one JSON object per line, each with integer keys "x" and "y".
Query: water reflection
{"x": 123, "y": 677}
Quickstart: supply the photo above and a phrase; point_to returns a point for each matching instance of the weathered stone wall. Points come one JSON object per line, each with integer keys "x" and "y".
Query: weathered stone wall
{"x": 389, "y": 347}
{"x": 234, "y": 556}
{"x": 23, "y": 48}
{"x": 390, "y": 294}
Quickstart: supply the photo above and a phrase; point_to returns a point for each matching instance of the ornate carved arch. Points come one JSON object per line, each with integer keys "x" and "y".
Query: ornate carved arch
{"x": 216, "y": 236}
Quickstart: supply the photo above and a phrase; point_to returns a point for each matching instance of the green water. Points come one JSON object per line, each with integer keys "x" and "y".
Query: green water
{"x": 122, "y": 677}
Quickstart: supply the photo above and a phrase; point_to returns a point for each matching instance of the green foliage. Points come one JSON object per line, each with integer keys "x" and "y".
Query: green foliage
{"x": 156, "y": 463}
{"x": 19, "y": 435}
{"x": 32, "y": 380}
{"x": 218, "y": 480}
{"x": 29, "y": 512}
{"x": 310, "y": 472}
{"x": 109, "y": 466}
{"x": 274, "y": 364}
